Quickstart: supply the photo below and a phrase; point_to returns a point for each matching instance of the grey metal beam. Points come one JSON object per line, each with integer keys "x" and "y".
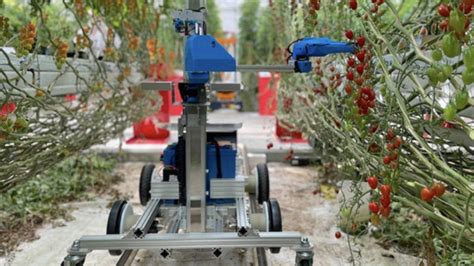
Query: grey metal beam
{"x": 191, "y": 241}
{"x": 266, "y": 68}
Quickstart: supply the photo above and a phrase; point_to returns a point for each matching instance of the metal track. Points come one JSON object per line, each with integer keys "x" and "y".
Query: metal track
{"x": 188, "y": 241}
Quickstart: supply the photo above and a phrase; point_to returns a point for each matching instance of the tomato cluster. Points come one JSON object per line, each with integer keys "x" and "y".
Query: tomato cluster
{"x": 376, "y": 3}
{"x": 8, "y": 124}
{"x": 357, "y": 74}
{"x": 455, "y": 23}
{"x": 61, "y": 53}
{"x": 82, "y": 40}
{"x": 79, "y": 8}
{"x": 436, "y": 190}
{"x": 27, "y": 39}
{"x": 394, "y": 144}
{"x": 380, "y": 205}
{"x": 314, "y": 5}
{"x": 4, "y": 28}
{"x": 133, "y": 43}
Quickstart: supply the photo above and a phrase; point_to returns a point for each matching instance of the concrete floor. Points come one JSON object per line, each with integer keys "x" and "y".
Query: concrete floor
{"x": 313, "y": 215}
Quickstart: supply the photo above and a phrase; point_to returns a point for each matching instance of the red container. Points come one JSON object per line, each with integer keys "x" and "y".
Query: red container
{"x": 267, "y": 93}
{"x": 150, "y": 129}
{"x": 285, "y": 132}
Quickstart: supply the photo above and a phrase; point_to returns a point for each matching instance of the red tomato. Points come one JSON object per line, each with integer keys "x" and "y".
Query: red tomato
{"x": 361, "y": 56}
{"x": 7, "y": 109}
{"x": 361, "y": 41}
{"x": 394, "y": 155}
{"x": 374, "y": 128}
{"x": 373, "y": 182}
{"x": 348, "y": 89}
{"x": 350, "y": 75}
{"x": 360, "y": 81}
{"x": 374, "y": 207}
{"x": 390, "y": 134}
{"x": 390, "y": 146}
{"x": 387, "y": 160}
{"x": 385, "y": 211}
{"x": 444, "y": 10}
{"x": 397, "y": 142}
{"x": 373, "y": 148}
{"x": 351, "y": 62}
{"x": 353, "y": 4}
{"x": 444, "y": 25}
{"x": 438, "y": 189}
{"x": 385, "y": 190}
{"x": 349, "y": 34}
{"x": 426, "y": 194}
{"x": 338, "y": 235}
{"x": 465, "y": 7}
{"x": 360, "y": 69}
{"x": 385, "y": 201}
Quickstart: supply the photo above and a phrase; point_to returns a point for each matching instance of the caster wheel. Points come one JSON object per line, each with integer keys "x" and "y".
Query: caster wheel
{"x": 274, "y": 214}
{"x": 113, "y": 223}
{"x": 74, "y": 263}
{"x": 145, "y": 183}
{"x": 263, "y": 183}
{"x": 306, "y": 263}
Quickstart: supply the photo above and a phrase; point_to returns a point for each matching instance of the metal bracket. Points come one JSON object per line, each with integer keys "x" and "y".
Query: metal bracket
{"x": 157, "y": 85}
{"x": 146, "y": 219}
{"x": 165, "y": 190}
{"x": 227, "y": 188}
{"x": 225, "y": 87}
{"x": 243, "y": 226}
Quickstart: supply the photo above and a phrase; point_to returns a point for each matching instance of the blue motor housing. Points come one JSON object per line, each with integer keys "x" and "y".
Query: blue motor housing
{"x": 226, "y": 161}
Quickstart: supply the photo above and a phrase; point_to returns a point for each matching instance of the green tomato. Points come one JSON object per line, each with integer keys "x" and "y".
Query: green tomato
{"x": 461, "y": 99}
{"x": 21, "y": 124}
{"x": 450, "y": 112}
{"x": 437, "y": 55}
{"x": 432, "y": 75}
{"x": 468, "y": 76}
{"x": 469, "y": 57}
{"x": 451, "y": 46}
{"x": 457, "y": 21}
{"x": 447, "y": 70}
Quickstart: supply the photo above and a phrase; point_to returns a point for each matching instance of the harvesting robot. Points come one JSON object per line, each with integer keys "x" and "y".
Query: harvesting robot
{"x": 204, "y": 201}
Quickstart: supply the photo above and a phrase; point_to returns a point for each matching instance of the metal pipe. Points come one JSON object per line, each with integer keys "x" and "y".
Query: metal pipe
{"x": 192, "y": 241}
{"x": 266, "y": 68}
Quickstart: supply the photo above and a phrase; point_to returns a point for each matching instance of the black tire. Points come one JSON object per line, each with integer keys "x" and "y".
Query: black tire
{"x": 263, "y": 191}
{"x": 306, "y": 263}
{"x": 145, "y": 183}
{"x": 113, "y": 223}
{"x": 79, "y": 263}
{"x": 276, "y": 224}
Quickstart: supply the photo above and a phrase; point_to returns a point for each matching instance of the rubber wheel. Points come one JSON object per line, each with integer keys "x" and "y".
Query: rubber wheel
{"x": 263, "y": 193}
{"x": 145, "y": 183}
{"x": 306, "y": 263}
{"x": 275, "y": 220}
{"x": 113, "y": 223}
{"x": 79, "y": 263}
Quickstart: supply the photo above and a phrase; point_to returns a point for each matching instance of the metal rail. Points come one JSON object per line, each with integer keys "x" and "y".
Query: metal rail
{"x": 146, "y": 219}
{"x": 266, "y": 68}
{"x": 188, "y": 241}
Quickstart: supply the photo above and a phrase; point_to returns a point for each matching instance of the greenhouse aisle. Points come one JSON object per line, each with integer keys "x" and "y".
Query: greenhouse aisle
{"x": 301, "y": 191}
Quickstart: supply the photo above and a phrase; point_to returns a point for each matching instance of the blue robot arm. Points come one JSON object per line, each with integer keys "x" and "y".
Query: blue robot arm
{"x": 306, "y": 48}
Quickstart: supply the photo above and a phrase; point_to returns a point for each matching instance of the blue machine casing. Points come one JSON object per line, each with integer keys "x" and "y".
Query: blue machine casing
{"x": 204, "y": 54}
{"x": 316, "y": 47}
{"x": 228, "y": 156}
